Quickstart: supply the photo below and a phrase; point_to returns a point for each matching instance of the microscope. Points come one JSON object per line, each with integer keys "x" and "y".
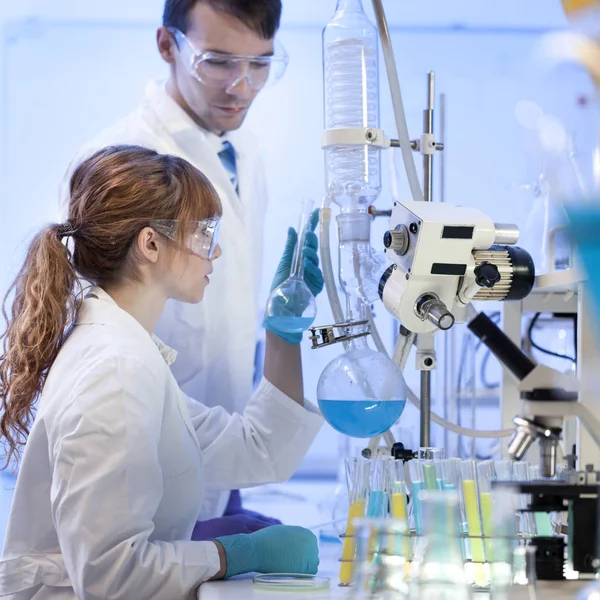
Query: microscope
{"x": 447, "y": 256}
{"x": 548, "y": 398}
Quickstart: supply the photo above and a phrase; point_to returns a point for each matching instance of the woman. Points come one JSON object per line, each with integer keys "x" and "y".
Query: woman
{"x": 115, "y": 464}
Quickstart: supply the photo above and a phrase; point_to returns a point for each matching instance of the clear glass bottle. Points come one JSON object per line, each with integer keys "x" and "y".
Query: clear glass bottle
{"x": 291, "y": 307}
{"x": 351, "y": 96}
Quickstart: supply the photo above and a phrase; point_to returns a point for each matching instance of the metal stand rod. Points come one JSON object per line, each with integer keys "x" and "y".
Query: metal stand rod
{"x": 425, "y": 415}
{"x": 428, "y": 128}
{"x": 425, "y": 409}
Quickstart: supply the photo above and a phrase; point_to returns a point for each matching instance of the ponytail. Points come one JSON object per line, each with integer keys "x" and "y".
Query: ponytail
{"x": 44, "y": 306}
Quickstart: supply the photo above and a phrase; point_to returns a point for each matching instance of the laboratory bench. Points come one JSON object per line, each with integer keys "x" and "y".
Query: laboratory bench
{"x": 297, "y": 503}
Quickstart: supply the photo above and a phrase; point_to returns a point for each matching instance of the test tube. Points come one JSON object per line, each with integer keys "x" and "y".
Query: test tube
{"x": 469, "y": 486}
{"x": 448, "y": 472}
{"x": 357, "y": 477}
{"x": 485, "y": 476}
{"x": 428, "y": 458}
{"x": 416, "y": 486}
{"x": 398, "y": 504}
{"x": 377, "y": 505}
{"x": 542, "y": 519}
{"x": 527, "y": 525}
{"x": 503, "y": 469}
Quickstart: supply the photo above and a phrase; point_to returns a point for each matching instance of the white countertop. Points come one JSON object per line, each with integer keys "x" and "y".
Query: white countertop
{"x": 241, "y": 588}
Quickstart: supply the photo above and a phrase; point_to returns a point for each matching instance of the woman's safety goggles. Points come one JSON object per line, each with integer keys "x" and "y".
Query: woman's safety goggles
{"x": 203, "y": 239}
{"x": 217, "y": 69}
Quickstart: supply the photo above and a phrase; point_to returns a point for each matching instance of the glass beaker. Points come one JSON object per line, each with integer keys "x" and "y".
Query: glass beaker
{"x": 440, "y": 571}
{"x": 361, "y": 393}
{"x": 382, "y": 569}
{"x": 291, "y": 307}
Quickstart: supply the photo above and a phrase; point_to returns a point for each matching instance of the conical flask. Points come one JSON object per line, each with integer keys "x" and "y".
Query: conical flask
{"x": 291, "y": 307}
{"x": 361, "y": 393}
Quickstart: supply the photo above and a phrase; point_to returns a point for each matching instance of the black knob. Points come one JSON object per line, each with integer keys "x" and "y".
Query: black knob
{"x": 487, "y": 275}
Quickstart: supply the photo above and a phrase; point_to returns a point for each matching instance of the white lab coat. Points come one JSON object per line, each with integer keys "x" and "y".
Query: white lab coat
{"x": 215, "y": 340}
{"x": 117, "y": 462}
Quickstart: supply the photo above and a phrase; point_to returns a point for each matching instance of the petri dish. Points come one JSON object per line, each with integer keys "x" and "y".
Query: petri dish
{"x": 292, "y": 582}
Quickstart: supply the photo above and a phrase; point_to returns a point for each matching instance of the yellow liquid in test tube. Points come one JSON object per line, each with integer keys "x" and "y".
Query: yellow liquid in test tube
{"x": 356, "y": 511}
{"x": 474, "y": 528}
{"x": 399, "y": 512}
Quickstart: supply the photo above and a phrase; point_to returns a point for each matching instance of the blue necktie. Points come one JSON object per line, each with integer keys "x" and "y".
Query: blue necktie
{"x": 227, "y": 156}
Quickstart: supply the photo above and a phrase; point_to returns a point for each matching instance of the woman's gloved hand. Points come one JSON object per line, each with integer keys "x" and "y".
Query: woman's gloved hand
{"x": 276, "y": 549}
{"x": 312, "y": 273}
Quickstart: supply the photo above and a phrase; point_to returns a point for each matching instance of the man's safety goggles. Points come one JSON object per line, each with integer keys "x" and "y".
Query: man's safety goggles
{"x": 202, "y": 241}
{"x": 217, "y": 69}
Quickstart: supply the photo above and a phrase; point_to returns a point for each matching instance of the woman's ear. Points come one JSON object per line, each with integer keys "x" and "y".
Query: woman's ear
{"x": 148, "y": 244}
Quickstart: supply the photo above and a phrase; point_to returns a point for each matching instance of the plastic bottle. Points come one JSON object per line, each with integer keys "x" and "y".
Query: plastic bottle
{"x": 351, "y": 95}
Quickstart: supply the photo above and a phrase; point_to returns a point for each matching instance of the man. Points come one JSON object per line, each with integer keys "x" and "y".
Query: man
{"x": 220, "y": 53}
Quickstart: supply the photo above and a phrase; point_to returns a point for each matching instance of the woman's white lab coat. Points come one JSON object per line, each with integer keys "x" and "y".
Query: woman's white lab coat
{"x": 216, "y": 339}
{"x": 117, "y": 462}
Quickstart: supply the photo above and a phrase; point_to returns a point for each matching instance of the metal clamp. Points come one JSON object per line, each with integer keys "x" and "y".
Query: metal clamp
{"x": 355, "y": 136}
{"x": 328, "y": 336}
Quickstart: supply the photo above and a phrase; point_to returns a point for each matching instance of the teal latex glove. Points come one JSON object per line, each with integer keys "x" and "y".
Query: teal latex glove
{"x": 312, "y": 273}
{"x": 276, "y": 549}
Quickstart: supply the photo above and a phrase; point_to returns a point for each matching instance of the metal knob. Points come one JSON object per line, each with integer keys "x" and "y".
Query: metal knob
{"x": 430, "y": 307}
{"x": 397, "y": 240}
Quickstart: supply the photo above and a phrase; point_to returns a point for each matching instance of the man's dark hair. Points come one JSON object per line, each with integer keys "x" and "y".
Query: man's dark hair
{"x": 262, "y": 16}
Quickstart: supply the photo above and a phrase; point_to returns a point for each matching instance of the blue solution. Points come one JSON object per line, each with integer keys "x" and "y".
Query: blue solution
{"x": 584, "y": 218}
{"x": 290, "y": 324}
{"x": 377, "y": 507}
{"x": 361, "y": 418}
{"x": 415, "y": 488}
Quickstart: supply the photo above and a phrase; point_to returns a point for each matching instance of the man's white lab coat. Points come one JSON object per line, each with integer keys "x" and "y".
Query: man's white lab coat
{"x": 117, "y": 463}
{"x": 215, "y": 340}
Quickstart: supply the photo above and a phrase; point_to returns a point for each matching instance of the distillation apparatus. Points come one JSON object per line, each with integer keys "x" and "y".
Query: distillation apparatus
{"x": 437, "y": 257}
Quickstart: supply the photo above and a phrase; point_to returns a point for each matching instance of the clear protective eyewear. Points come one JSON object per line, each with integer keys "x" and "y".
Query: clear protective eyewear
{"x": 218, "y": 69}
{"x": 202, "y": 241}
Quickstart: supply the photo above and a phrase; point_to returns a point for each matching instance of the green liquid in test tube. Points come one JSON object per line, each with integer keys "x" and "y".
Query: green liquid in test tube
{"x": 429, "y": 475}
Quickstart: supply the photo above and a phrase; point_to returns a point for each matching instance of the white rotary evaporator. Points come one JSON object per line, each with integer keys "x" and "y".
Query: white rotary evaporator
{"x": 436, "y": 257}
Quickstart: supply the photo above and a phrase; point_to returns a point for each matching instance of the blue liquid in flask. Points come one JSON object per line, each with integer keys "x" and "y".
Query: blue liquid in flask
{"x": 361, "y": 418}
{"x": 290, "y": 324}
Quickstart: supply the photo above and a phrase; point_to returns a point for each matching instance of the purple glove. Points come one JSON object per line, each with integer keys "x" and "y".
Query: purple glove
{"x": 230, "y": 525}
{"x": 234, "y": 507}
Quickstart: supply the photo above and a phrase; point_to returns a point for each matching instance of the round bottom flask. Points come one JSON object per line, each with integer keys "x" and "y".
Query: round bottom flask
{"x": 362, "y": 392}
